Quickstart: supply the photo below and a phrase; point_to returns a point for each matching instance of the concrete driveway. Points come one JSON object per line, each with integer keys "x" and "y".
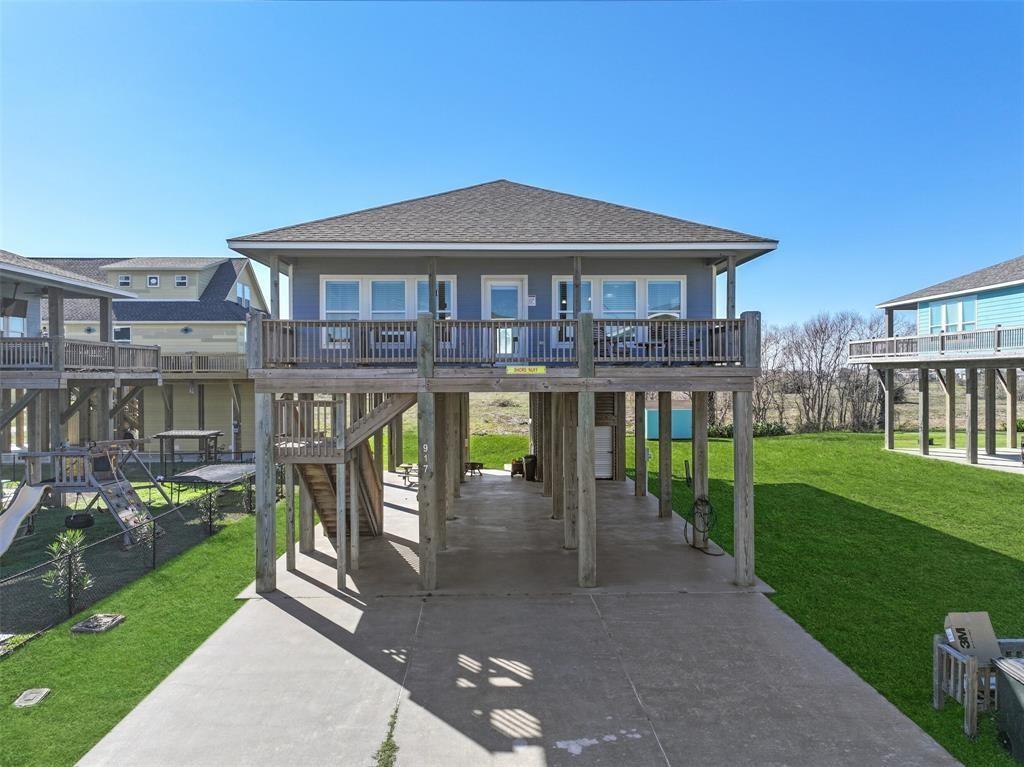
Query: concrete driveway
{"x": 666, "y": 663}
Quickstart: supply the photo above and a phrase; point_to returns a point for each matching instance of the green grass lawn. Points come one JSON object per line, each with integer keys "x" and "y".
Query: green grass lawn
{"x": 869, "y": 550}
{"x": 938, "y": 436}
{"x": 49, "y": 521}
{"x": 96, "y": 680}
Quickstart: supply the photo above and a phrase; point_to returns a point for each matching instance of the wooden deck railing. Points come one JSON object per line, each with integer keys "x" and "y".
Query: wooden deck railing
{"x": 668, "y": 341}
{"x": 353, "y": 343}
{"x": 60, "y": 354}
{"x": 26, "y": 353}
{"x": 338, "y": 343}
{"x": 985, "y": 342}
{"x": 505, "y": 342}
{"x": 305, "y": 428}
{"x": 197, "y": 364}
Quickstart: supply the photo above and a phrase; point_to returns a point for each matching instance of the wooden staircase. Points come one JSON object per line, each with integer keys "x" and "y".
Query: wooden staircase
{"x": 376, "y": 419}
{"x": 321, "y": 481}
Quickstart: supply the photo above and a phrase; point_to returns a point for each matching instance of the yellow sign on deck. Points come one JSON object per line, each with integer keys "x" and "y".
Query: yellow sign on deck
{"x": 526, "y": 370}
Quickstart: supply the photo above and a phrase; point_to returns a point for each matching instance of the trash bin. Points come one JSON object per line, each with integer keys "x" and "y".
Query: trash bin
{"x": 1010, "y": 713}
{"x": 530, "y": 463}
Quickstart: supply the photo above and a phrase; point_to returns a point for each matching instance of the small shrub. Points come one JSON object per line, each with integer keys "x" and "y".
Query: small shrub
{"x": 210, "y": 510}
{"x": 1020, "y": 424}
{"x": 68, "y": 567}
{"x": 761, "y": 429}
{"x": 249, "y": 498}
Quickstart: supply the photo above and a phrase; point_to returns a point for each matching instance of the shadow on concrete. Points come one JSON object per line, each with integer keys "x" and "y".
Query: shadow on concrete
{"x": 509, "y": 663}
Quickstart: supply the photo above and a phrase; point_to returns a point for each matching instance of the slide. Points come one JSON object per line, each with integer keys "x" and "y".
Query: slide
{"x": 25, "y": 501}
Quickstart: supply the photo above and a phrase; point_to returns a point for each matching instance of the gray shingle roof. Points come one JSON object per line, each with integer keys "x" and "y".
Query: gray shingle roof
{"x": 57, "y": 267}
{"x": 502, "y": 212}
{"x": 998, "y": 274}
{"x": 134, "y": 264}
{"x": 213, "y": 305}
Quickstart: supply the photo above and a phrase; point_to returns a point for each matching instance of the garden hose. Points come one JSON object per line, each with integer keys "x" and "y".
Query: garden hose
{"x": 702, "y": 519}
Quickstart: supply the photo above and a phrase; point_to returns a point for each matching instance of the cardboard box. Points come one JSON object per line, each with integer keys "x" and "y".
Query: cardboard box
{"x": 972, "y": 634}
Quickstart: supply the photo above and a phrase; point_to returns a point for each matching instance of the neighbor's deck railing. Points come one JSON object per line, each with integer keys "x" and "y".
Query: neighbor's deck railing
{"x": 993, "y": 342}
{"x": 79, "y": 356}
{"x": 195, "y": 363}
{"x": 393, "y": 343}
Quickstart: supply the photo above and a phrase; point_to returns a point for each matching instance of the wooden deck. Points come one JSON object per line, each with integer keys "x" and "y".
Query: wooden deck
{"x": 999, "y": 346}
{"x": 193, "y": 365}
{"x": 424, "y": 355}
{"x": 49, "y": 363}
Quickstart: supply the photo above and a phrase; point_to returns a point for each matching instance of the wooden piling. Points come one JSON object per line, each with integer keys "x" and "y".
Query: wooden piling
{"x": 557, "y": 446}
{"x": 266, "y": 533}
{"x": 699, "y": 412}
{"x": 586, "y": 554}
{"x": 640, "y": 443}
{"x": 971, "y": 390}
{"x": 664, "y": 454}
{"x": 743, "y": 487}
{"x": 923, "y": 426}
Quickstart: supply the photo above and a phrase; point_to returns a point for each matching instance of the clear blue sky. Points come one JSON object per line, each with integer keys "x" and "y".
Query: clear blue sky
{"x": 882, "y": 143}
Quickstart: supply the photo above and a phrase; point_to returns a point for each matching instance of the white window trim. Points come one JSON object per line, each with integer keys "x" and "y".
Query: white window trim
{"x": 364, "y": 280}
{"x": 246, "y": 289}
{"x": 453, "y": 300}
{"x": 115, "y": 328}
{"x": 597, "y": 291}
{"x": 943, "y": 305}
{"x": 485, "y": 294}
{"x": 153, "y": 277}
{"x": 124, "y": 280}
{"x": 183, "y": 277}
{"x": 567, "y": 278}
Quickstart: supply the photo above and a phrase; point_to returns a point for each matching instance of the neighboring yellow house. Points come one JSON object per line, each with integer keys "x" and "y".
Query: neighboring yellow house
{"x": 195, "y": 309}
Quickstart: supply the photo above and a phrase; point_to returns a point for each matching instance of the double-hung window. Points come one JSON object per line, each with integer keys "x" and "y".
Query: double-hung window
{"x": 124, "y": 280}
{"x": 618, "y": 299}
{"x": 953, "y": 315}
{"x": 968, "y": 313}
{"x": 564, "y": 303}
{"x": 341, "y": 303}
{"x": 664, "y": 299}
{"x": 387, "y": 300}
{"x": 181, "y": 280}
{"x": 564, "y": 300}
{"x": 243, "y": 294}
{"x": 444, "y": 298}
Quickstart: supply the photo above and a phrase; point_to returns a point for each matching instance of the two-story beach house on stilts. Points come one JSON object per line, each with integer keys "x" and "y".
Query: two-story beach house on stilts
{"x": 495, "y": 287}
{"x": 973, "y": 323}
{"x": 196, "y": 310}
{"x": 48, "y": 380}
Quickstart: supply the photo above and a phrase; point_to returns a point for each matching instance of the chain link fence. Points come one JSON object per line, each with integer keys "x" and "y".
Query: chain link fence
{"x": 31, "y": 600}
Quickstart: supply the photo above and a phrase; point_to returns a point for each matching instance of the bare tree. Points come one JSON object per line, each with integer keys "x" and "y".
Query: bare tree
{"x": 816, "y": 353}
{"x": 769, "y": 395}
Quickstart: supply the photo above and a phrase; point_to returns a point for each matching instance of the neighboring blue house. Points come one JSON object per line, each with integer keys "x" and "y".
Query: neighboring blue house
{"x": 972, "y": 322}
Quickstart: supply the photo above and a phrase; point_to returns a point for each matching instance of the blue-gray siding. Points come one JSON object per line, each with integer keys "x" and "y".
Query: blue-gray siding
{"x": 470, "y": 268}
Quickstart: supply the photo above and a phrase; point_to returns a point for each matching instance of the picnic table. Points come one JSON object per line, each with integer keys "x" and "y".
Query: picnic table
{"x": 409, "y": 472}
